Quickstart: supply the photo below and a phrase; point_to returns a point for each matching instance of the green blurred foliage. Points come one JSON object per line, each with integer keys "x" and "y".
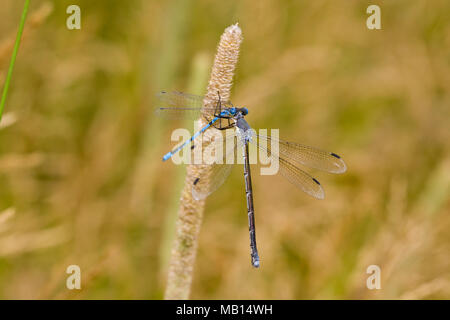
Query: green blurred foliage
{"x": 82, "y": 180}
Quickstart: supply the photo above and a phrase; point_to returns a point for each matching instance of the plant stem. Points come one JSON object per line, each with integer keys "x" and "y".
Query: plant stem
{"x": 13, "y": 58}
{"x": 191, "y": 211}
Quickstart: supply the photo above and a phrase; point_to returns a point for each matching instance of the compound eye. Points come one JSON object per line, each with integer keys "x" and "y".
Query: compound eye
{"x": 245, "y": 111}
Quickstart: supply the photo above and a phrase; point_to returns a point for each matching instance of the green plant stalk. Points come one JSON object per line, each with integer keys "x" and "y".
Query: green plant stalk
{"x": 13, "y": 58}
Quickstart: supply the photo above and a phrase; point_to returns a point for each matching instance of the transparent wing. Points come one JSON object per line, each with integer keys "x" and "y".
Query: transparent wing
{"x": 204, "y": 186}
{"x": 301, "y": 179}
{"x": 294, "y": 175}
{"x": 307, "y": 156}
{"x": 217, "y": 173}
{"x": 179, "y": 105}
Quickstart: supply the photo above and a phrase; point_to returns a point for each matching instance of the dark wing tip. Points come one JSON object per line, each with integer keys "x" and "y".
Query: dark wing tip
{"x": 160, "y": 95}
{"x": 196, "y": 181}
{"x": 314, "y": 179}
{"x": 340, "y": 165}
{"x": 335, "y": 155}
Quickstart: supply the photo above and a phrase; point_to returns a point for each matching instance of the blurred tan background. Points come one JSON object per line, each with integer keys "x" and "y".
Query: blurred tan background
{"x": 81, "y": 177}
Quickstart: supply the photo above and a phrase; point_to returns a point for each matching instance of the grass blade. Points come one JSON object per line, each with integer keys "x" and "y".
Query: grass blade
{"x": 13, "y": 58}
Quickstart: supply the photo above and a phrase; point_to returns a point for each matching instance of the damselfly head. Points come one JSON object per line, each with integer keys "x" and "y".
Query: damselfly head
{"x": 244, "y": 111}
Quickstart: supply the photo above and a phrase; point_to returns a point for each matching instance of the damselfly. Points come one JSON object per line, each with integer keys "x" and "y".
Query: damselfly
{"x": 224, "y": 116}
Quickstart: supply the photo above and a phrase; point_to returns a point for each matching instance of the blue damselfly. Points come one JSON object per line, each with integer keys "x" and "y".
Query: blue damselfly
{"x": 224, "y": 116}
